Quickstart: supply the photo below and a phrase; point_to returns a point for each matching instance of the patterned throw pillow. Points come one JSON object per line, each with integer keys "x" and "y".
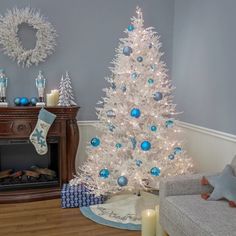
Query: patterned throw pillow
{"x": 224, "y": 186}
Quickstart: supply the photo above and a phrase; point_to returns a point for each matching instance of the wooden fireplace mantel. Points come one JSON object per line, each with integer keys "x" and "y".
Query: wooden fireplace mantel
{"x": 19, "y": 122}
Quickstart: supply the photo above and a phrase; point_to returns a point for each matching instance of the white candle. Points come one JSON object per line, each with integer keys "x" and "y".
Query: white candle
{"x": 55, "y": 94}
{"x": 50, "y": 100}
{"x": 149, "y": 222}
{"x": 159, "y": 231}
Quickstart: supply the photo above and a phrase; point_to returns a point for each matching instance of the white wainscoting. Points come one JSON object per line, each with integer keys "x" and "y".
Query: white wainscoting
{"x": 211, "y": 150}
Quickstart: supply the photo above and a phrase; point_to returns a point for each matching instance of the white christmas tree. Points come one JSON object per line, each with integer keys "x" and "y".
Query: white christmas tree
{"x": 140, "y": 141}
{"x": 66, "y": 97}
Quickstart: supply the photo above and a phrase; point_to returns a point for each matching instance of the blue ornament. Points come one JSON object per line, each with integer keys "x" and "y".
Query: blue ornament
{"x": 138, "y": 163}
{"x": 111, "y": 127}
{"x": 33, "y": 101}
{"x": 127, "y": 50}
{"x": 134, "y": 142}
{"x": 123, "y": 88}
{"x": 150, "y": 81}
{"x": 169, "y": 123}
{"x": 122, "y": 181}
{"x": 104, "y": 173}
{"x": 146, "y": 145}
{"x": 135, "y": 112}
{"x": 139, "y": 59}
{"x": 118, "y": 145}
{"x": 134, "y": 75}
{"x": 157, "y": 96}
{"x": 171, "y": 157}
{"x": 95, "y": 142}
{"x": 155, "y": 171}
{"x": 130, "y": 28}
{"x": 111, "y": 113}
{"x": 177, "y": 150}
{"x": 17, "y": 101}
{"x": 24, "y": 101}
{"x": 153, "y": 128}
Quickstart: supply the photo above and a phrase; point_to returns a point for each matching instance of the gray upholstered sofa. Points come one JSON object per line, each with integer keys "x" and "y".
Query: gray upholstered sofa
{"x": 184, "y": 213}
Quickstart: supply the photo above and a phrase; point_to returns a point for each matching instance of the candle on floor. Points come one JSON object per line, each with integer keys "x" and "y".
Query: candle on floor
{"x": 55, "y": 94}
{"x": 50, "y": 100}
{"x": 159, "y": 231}
{"x": 149, "y": 222}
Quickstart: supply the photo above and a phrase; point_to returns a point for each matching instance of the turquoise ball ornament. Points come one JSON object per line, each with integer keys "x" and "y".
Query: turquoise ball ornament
{"x": 127, "y": 50}
{"x": 95, "y": 142}
{"x": 157, "y": 96}
{"x": 171, "y": 157}
{"x": 138, "y": 163}
{"x": 153, "y": 128}
{"x": 134, "y": 75}
{"x": 122, "y": 181}
{"x": 155, "y": 171}
{"x": 146, "y": 145}
{"x": 17, "y": 101}
{"x": 150, "y": 81}
{"x": 177, "y": 150}
{"x": 135, "y": 112}
{"x": 33, "y": 101}
{"x": 118, "y": 145}
{"x": 169, "y": 123}
{"x": 130, "y": 28}
{"x": 24, "y": 101}
{"x": 104, "y": 173}
{"x": 139, "y": 59}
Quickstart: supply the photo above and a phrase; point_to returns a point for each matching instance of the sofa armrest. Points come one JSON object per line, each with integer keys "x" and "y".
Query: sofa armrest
{"x": 183, "y": 185}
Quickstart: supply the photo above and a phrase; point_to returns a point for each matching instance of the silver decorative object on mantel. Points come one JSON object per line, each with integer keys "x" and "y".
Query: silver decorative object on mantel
{"x": 3, "y": 88}
{"x": 40, "y": 82}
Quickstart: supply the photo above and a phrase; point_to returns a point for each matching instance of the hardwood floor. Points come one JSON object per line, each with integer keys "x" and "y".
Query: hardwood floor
{"x": 47, "y": 218}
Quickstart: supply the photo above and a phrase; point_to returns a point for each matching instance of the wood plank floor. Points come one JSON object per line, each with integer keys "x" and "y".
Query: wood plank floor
{"x": 46, "y": 218}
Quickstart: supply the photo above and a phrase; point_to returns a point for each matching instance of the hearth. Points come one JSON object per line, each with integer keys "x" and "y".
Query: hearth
{"x": 21, "y": 167}
{"x": 25, "y": 175}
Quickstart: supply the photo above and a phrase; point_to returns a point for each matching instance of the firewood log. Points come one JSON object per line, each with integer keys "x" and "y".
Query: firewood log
{"x": 5, "y": 173}
{"x": 16, "y": 174}
{"x": 31, "y": 173}
{"x": 43, "y": 171}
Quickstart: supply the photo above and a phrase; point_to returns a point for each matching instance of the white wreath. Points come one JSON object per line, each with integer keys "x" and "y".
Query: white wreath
{"x": 12, "y": 46}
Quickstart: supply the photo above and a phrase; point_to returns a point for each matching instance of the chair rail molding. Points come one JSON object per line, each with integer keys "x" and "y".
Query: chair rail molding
{"x": 210, "y": 149}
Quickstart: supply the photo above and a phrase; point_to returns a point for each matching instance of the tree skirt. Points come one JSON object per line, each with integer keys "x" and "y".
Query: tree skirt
{"x": 121, "y": 211}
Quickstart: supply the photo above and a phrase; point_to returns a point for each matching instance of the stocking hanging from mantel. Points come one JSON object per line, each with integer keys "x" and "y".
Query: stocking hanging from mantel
{"x": 39, "y": 134}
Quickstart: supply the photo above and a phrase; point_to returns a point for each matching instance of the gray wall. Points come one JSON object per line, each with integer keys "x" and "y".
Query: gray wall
{"x": 204, "y": 62}
{"x": 89, "y": 32}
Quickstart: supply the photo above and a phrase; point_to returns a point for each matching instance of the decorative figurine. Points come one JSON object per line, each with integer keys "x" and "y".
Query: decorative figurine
{"x": 3, "y": 88}
{"x": 40, "y": 84}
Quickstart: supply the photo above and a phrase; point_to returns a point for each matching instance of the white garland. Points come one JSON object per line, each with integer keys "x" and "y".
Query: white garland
{"x": 12, "y": 46}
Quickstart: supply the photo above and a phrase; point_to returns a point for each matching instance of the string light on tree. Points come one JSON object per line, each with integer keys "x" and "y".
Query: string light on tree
{"x": 139, "y": 140}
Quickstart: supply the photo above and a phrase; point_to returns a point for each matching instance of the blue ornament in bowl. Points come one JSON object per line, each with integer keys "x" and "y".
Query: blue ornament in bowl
{"x": 33, "y": 101}
{"x": 146, "y": 145}
{"x": 24, "y": 101}
{"x": 155, "y": 171}
{"x": 104, "y": 173}
{"x": 17, "y": 101}
{"x": 122, "y": 181}
{"x": 127, "y": 50}
{"x": 135, "y": 112}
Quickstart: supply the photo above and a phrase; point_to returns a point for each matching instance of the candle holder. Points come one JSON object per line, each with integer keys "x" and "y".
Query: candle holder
{"x": 40, "y": 82}
{"x": 3, "y": 88}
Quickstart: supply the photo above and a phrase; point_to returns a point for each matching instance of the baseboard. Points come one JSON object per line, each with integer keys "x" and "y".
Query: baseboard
{"x": 210, "y": 149}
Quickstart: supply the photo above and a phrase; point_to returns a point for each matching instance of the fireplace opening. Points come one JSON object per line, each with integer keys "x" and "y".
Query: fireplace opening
{"x": 21, "y": 167}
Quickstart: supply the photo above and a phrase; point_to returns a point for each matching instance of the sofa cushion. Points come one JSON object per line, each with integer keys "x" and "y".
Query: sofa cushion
{"x": 197, "y": 217}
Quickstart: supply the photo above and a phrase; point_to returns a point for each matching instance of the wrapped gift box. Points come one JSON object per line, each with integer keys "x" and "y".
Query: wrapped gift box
{"x": 78, "y": 196}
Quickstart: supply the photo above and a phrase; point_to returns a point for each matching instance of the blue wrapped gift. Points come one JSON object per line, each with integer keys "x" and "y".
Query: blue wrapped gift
{"x": 78, "y": 196}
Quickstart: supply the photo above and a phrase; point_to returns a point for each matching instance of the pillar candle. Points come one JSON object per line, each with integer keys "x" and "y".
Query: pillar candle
{"x": 149, "y": 222}
{"x": 50, "y": 100}
{"x": 55, "y": 94}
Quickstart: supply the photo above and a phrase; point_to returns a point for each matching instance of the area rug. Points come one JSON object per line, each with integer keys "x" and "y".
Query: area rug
{"x": 121, "y": 211}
